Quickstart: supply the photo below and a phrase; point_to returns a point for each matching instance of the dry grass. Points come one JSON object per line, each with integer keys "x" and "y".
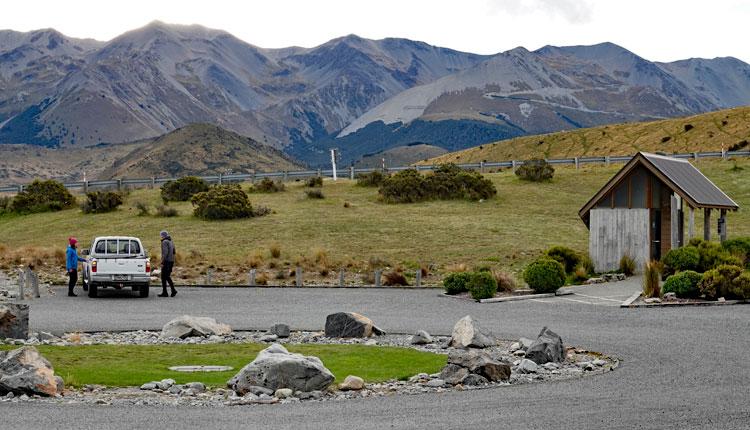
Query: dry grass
{"x": 255, "y": 259}
{"x": 275, "y": 250}
{"x": 505, "y": 281}
{"x": 394, "y": 278}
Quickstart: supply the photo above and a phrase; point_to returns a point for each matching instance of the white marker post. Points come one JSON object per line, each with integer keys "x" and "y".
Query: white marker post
{"x": 333, "y": 162}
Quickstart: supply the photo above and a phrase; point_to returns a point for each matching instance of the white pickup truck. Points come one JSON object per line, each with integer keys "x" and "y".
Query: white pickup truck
{"x": 118, "y": 262}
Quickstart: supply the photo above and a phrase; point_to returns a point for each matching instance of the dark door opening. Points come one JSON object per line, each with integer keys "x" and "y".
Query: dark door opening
{"x": 655, "y": 234}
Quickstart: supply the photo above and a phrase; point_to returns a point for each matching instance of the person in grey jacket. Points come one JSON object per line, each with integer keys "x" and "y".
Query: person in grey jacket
{"x": 167, "y": 264}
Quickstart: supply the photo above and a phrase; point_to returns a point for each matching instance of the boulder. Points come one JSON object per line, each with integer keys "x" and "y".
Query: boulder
{"x": 280, "y": 330}
{"x": 189, "y": 326}
{"x": 527, "y": 366}
{"x": 481, "y": 363}
{"x": 454, "y": 374}
{"x": 14, "y": 321}
{"x": 474, "y": 379}
{"x": 467, "y": 333}
{"x": 350, "y": 324}
{"x": 352, "y": 383}
{"x": 25, "y": 371}
{"x": 548, "y": 347}
{"x": 275, "y": 368}
{"x": 421, "y": 338}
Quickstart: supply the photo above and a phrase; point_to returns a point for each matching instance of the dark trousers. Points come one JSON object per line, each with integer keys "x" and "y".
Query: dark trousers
{"x": 166, "y": 276}
{"x": 73, "y": 275}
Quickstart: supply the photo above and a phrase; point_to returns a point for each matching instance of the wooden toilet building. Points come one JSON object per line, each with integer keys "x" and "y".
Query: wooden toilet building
{"x": 641, "y": 210}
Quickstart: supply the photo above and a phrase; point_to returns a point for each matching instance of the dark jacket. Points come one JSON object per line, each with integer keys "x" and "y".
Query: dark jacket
{"x": 167, "y": 250}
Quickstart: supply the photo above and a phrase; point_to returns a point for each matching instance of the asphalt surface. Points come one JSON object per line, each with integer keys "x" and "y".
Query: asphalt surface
{"x": 682, "y": 368}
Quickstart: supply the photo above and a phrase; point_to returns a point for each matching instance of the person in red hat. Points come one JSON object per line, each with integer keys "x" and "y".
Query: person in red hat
{"x": 71, "y": 264}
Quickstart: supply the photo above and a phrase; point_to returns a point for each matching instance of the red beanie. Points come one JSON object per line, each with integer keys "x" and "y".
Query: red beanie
{"x": 72, "y": 240}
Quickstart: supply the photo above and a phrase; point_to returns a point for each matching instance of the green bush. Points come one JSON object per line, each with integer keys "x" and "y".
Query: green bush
{"x": 711, "y": 284}
{"x": 101, "y": 201}
{"x": 535, "y": 170}
{"x": 712, "y": 255}
{"x": 43, "y": 196}
{"x": 456, "y": 283}
{"x": 314, "y": 182}
{"x": 566, "y": 256}
{"x": 482, "y": 285}
{"x": 266, "y": 185}
{"x": 5, "y": 204}
{"x": 182, "y": 189}
{"x": 544, "y": 275}
{"x": 627, "y": 265}
{"x": 739, "y": 247}
{"x": 448, "y": 182}
{"x": 740, "y": 288}
{"x": 372, "y": 179}
{"x": 222, "y": 202}
{"x": 680, "y": 259}
{"x": 683, "y": 284}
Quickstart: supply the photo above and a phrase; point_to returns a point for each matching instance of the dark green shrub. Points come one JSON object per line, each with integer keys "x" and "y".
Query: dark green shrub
{"x": 372, "y": 179}
{"x": 740, "y": 288}
{"x": 266, "y": 185}
{"x": 544, "y": 275}
{"x": 43, "y": 196}
{"x": 448, "y": 182}
{"x": 566, "y": 256}
{"x": 627, "y": 265}
{"x": 406, "y": 186}
{"x": 482, "y": 285}
{"x": 222, "y": 202}
{"x": 5, "y": 204}
{"x": 683, "y": 284}
{"x": 166, "y": 211}
{"x": 182, "y": 189}
{"x": 456, "y": 282}
{"x": 535, "y": 170}
{"x": 711, "y": 284}
{"x": 712, "y": 255}
{"x": 314, "y": 182}
{"x": 680, "y": 259}
{"x": 739, "y": 247}
{"x": 314, "y": 194}
{"x": 101, "y": 201}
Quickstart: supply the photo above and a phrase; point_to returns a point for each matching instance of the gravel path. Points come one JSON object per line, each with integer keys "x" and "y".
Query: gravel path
{"x": 681, "y": 368}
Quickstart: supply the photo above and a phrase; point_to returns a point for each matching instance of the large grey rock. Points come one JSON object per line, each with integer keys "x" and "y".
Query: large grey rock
{"x": 350, "y": 324}
{"x": 280, "y": 330}
{"x": 188, "y": 326}
{"x": 481, "y": 363}
{"x": 467, "y": 333}
{"x": 454, "y": 374}
{"x": 548, "y": 347}
{"x": 275, "y": 368}
{"x": 25, "y": 371}
{"x": 14, "y": 321}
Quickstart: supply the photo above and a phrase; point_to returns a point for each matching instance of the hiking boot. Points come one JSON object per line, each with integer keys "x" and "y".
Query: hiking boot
{"x": 164, "y": 294}
{"x": 174, "y": 293}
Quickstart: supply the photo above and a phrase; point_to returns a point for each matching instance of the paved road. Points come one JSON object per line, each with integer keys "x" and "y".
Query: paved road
{"x": 682, "y": 368}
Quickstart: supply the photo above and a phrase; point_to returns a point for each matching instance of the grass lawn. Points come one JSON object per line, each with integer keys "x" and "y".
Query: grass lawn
{"x": 133, "y": 365}
{"x": 504, "y": 232}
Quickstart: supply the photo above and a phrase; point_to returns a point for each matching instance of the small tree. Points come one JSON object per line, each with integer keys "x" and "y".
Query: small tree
{"x": 101, "y": 202}
{"x": 222, "y": 202}
{"x": 535, "y": 170}
{"x": 43, "y": 196}
{"x": 182, "y": 189}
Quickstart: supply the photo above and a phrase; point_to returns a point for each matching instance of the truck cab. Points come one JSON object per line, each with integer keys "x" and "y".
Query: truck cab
{"x": 116, "y": 262}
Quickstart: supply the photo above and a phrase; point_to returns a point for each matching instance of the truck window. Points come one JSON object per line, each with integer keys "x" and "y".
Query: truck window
{"x": 111, "y": 246}
{"x": 123, "y": 247}
{"x": 100, "y": 247}
{"x": 135, "y": 248}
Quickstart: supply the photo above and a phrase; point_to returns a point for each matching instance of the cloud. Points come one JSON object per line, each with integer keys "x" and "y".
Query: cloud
{"x": 573, "y": 11}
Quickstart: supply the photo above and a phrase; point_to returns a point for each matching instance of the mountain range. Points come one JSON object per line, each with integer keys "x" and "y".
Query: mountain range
{"x": 358, "y": 95}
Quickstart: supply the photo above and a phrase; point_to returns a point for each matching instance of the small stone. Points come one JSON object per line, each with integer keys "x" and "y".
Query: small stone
{"x": 652, "y": 300}
{"x": 474, "y": 380}
{"x": 269, "y": 338}
{"x": 599, "y": 362}
{"x": 352, "y": 383}
{"x": 148, "y": 386}
{"x": 551, "y": 366}
{"x": 519, "y": 353}
{"x": 721, "y": 299}
{"x": 515, "y": 346}
{"x": 283, "y": 393}
{"x": 371, "y": 342}
{"x": 527, "y": 366}
{"x": 421, "y": 338}
{"x": 670, "y": 296}
{"x": 435, "y": 383}
{"x": 280, "y": 330}
{"x": 197, "y": 387}
{"x": 175, "y": 389}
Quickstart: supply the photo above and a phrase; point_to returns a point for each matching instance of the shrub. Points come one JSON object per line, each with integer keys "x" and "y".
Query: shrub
{"x": 5, "y": 204}
{"x": 222, "y": 202}
{"x": 314, "y": 194}
{"x": 729, "y": 272}
{"x": 183, "y": 189}
{"x": 535, "y": 170}
{"x": 394, "y": 278}
{"x": 565, "y": 256}
{"x": 711, "y": 284}
{"x": 651, "y": 277}
{"x": 261, "y": 210}
{"x": 679, "y": 259}
{"x": 482, "y": 285}
{"x": 448, "y": 182}
{"x": 372, "y": 179}
{"x": 43, "y": 196}
{"x": 275, "y": 250}
{"x": 739, "y": 247}
{"x": 266, "y": 185}
{"x": 456, "y": 283}
{"x": 143, "y": 209}
{"x": 544, "y": 275}
{"x": 712, "y": 255}
{"x": 101, "y": 202}
{"x": 683, "y": 284}
{"x": 627, "y": 265}
{"x": 406, "y": 186}
{"x": 580, "y": 273}
{"x": 588, "y": 264}
{"x": 166, "y": 211}
{"x": 506, "y": 282}
{"x": 314, "y": 182}
{"x": 740, "y": 287}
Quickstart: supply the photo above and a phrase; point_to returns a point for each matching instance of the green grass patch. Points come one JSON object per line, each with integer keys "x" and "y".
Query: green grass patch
{"x": 133, "y": 365}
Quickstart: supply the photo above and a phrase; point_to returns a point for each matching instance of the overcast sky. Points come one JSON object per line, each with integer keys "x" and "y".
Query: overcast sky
{"x": 661, "y": 30}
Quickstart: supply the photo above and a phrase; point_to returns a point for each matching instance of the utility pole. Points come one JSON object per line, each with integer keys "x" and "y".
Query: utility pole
{"x": 333, "y": 162}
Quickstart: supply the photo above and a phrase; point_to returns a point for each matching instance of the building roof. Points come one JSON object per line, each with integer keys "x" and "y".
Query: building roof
{"x": 678, "y": 174}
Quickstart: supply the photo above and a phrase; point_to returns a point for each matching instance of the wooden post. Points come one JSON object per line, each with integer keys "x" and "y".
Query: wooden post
{"x": 85, "y": 186}
{"x": 320, "y": 173}
{"x": 153, "y": 183}
{"x": 377, "y": 278}
{"x": 219, "y": 178}
{"x": 723, "y": 225}
{"x": 418, "y": 278}
{"x": 342, "y": 276}
{"x": 691, "y": 222}
{"x": 208, "y": 276}
{"x": 577, "y": 162}
{"x": 286, "y": 175}
{"x": 21, "y": 283}
{"x": 298, "y": 276}
{"x": 351, "y": 172}
{"x": 695, "y": 156}
{"x": 481, "y": 167}
{"x": 119, "y": 185}
{"x": 606, "y": 160}
{"x": 20, "y": 189}
{"x": 251, "y": 278}
{"x": 514, "y": 165}
{"x": 723, "y": 154}
{"x": 706, "y": 224}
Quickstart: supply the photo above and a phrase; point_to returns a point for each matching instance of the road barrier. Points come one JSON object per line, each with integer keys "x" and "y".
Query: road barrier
{"x": 352, "y": 172}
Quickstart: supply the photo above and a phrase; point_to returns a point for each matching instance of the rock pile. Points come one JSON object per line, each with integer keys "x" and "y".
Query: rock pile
{"x": 189, "y": 326}
{"x": 350, "y": 324}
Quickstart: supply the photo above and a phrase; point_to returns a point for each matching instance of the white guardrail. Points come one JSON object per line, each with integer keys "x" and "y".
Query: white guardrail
{"x": 351, "y": 172}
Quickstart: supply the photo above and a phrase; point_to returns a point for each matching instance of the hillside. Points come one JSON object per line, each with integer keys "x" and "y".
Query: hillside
{"x": 400, "y": 156}
{"x": 729, "y": 128}
{"x": 199, "y": 149}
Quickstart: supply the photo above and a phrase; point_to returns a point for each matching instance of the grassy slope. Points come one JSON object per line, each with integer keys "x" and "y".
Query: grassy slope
{"x": 113, "y": 365}
{"x": 710, "y": 131}
{"x": 504, "y": 232}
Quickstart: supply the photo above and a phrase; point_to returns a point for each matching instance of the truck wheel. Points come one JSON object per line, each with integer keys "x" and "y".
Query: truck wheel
{"x": 93, "y": 290}
{"x": 143, "y": 291}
